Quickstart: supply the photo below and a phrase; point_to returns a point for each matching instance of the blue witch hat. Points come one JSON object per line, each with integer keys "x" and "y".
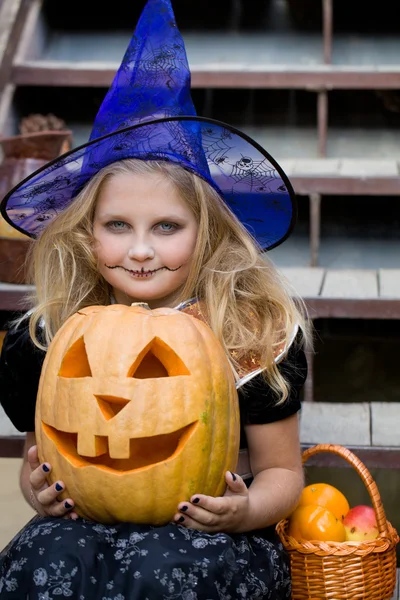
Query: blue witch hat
{"x": 148, "y": 114}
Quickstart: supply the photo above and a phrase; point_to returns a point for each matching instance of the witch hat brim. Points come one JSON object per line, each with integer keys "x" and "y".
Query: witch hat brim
{"x": 148, "y": 114}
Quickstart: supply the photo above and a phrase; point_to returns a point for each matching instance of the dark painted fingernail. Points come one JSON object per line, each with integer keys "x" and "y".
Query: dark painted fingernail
{"x": 196, "y": 500}
{"x": 181, "y": 519}
{"x": 59, "y": 487}
{"x": 184, "y": 508}
{"x": 45, "y": 468}
{"x": 67, "y": 504}
{"x": 233, "y": 476}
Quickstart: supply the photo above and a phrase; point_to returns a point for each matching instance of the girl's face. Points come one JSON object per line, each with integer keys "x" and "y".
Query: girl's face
{"x": 145, "y": 235}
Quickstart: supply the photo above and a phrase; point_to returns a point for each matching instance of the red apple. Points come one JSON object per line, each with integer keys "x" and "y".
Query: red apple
{"x": 360, "y": 524}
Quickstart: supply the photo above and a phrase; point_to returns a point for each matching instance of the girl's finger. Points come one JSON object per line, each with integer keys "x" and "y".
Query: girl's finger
{"x": 33, "y": 457}
{"x": 60, "y": 509}
{"x": 210, "y": 504}
{"x": 187, "y": 521}
{"x": 72, "y": 515}
{"x": 199, "y": 514}
{"x": 50, "y": 494}
{"x": 235, "y": 483}
{"x": 38, "y": 477}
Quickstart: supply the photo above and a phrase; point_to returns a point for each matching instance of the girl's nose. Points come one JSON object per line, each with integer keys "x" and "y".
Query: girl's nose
{"x": 141, "y": 251}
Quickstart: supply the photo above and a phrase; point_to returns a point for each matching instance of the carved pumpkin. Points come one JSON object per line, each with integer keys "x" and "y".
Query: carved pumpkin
{"x": 137, "y": 410}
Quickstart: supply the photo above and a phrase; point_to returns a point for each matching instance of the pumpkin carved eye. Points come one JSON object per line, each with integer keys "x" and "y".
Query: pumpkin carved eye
{"x": 76, "y": 363}
{"x": 157, "y": 359}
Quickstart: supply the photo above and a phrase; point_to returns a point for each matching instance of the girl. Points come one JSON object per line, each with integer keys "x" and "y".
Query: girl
{"x": 149, "y": 211}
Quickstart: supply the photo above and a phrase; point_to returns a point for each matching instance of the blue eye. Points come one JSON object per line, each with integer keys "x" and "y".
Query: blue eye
{"x": 167, "y": 227}
{"x": 116, "y": 225}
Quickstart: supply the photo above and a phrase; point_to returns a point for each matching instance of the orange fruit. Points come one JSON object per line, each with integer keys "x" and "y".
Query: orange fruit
{"x": 313, "y": 522}
{"x": 326, "y": 495}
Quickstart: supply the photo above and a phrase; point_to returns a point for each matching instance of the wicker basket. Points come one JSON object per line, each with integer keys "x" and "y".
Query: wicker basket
{"x": 344, "y": 570}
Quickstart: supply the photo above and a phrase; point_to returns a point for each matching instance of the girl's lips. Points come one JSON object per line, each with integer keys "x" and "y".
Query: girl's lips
{"x": 141, "y": 274}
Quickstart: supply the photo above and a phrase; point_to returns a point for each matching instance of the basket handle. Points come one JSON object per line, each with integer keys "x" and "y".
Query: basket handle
{"x": 363, "y": 472}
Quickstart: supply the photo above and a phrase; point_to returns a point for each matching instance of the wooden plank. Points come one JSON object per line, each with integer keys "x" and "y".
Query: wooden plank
{"x": 11, "y": 447}
{"x": 357, "y": 283}
{"x": 343, "y": 176}
{"x": 312, "y": 167}
{"x": 374, "y": 458}
{"x": 13, "y": 297}
{"x": 308, "y": 393}
{"x": 315, "y": 228}
{"x": 307, "y": 282}
{"x": 33, "y": 38}
{"x": 389, "y": 283}
{"x": 335, "y": 423}
{"x": 327, "y": 29}
{"x": 341, "y": 168}
{"x": 322, "y": 122}
{"x": 60, "y": 73}
{"x": 12, "y": 17}
{"x": 205, "y": 49}
{"x": 368, "y": 168}
{"x": 280, "y": 47}
{"x": 8, "y": 14}
{"x": 345, "y": 186}
{"x": 16, "y": 287}
{"x": 6, "y": 98}
{"x": 350, "y": 308}
{"x": 385, "y": 418}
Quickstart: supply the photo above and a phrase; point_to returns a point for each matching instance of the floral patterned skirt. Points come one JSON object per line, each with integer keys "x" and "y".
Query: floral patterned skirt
{"x": 83, "y": 560}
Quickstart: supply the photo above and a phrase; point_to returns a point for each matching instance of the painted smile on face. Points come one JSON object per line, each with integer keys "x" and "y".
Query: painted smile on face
{"x": 145, "y": 236}
{"x": 142, "y": 272}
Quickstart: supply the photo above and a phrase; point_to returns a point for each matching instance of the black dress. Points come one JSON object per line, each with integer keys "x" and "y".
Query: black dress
{"x": 60, "y": 558}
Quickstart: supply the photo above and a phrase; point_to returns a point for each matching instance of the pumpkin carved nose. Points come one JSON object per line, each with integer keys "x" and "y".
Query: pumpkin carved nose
{"x": 110, "y": 406}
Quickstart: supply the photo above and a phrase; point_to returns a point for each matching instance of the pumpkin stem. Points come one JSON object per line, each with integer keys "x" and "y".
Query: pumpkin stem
{"x": 144, "y": 304}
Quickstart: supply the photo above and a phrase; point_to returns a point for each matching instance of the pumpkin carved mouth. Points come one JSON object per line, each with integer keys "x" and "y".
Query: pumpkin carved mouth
{"x": 144, "y": 452}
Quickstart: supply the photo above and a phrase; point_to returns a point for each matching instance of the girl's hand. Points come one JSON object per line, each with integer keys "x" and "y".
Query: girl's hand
{"x": 227, "y": 513}
{"x": 44, "y": 498}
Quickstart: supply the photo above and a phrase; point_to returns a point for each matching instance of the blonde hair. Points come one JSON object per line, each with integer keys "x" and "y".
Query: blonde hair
{"x": 248, "y": 305}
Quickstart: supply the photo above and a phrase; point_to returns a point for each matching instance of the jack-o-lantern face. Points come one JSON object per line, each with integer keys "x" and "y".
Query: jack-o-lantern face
{"x": 136, "y": 411}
